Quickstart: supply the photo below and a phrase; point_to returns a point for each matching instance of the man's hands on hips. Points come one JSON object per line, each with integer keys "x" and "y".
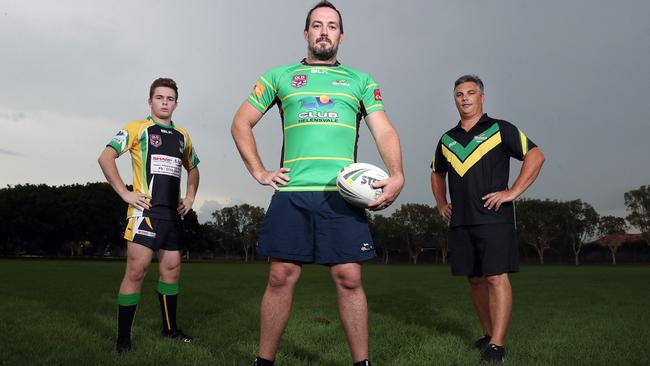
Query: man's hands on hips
{"x": 496, "y": 199}
{"x": 273, "y": 177}
{"x": 391, "y": 188}
{"x": 139, "y": 200}
{"x": 185, "y": 205}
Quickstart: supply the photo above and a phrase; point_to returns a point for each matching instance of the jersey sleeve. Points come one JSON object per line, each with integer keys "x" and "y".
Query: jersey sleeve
{"x": 515, "y": 141}
{"x": 439, "y": 163}
{"x": 371, "y": 96}
{"x": 125, "y": 138}
{"x": 264, "y": 91}
{"x": 190, "y": 158}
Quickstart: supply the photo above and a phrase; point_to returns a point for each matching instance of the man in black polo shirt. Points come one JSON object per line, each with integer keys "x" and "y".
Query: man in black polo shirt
{"x": 475, "y": 156}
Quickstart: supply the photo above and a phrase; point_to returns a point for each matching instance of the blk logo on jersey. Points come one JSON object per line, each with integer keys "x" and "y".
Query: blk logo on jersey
{"x": 155, "y": 140}
{"x": 377, "y": 94}
{"x": 299, "y": 81}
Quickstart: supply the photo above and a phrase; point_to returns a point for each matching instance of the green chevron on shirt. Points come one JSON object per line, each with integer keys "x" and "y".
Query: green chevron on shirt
{"x": 462, "y": 152}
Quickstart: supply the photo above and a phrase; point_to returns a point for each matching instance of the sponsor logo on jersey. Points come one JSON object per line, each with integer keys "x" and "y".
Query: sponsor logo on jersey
{"x": 341, "y": 82}
{"x": 259, "y": 89}
{"x": 318, "y": 71}
{"x": 120, "y": 139}
{"x": 377, "y": 94}
{"x": 318, "y": 109}
{"x": 165, "y": 164}
{"x": 155, "y": 140}
{"x": 165, "y": 131}
{"x": 480, "y": 138}
{"x": 299, "y": 81}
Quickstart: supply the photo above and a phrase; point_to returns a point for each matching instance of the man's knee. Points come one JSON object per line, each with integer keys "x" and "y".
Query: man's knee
{"x": 497, "y": 280}
{"x": 135, "y": 273}
{"x": 347, "y": 280}
{"x": 283, "y": 276}
{"x": 170, "y": 268}
{"x": 476, "y": 282}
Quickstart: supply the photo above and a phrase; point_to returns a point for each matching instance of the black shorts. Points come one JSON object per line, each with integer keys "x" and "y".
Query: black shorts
{"x": 315, "y": 227}
{"x": 483, "y": 250}
{"x": 154, "y": 233}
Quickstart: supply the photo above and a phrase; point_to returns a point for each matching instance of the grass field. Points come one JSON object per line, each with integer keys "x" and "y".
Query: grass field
{"x": 63, "y": 313}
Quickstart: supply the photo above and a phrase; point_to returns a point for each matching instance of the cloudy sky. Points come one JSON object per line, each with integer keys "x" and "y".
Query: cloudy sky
{"x": 573, "y": 75}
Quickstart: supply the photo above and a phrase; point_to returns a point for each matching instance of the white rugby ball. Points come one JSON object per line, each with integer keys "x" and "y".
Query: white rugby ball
{"x": 355, "y": 183}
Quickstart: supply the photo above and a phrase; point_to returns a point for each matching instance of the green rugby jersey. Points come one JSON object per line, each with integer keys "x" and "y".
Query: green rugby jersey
{"x": 320, "y": 107}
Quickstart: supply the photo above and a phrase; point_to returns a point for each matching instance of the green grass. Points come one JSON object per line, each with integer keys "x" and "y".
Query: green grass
{"x": 63, "y": 313}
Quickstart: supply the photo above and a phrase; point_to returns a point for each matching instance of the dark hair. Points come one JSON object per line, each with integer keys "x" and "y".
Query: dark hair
{"x": 470, "y": 78}
{"x": 324, "y": 4}
{"x": 166, "y": 82}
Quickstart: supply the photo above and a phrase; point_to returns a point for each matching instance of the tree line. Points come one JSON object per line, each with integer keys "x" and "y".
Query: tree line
{"x": 88, "y": 220}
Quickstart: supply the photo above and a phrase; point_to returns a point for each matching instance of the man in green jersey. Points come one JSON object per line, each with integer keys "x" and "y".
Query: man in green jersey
{"x": 321, "y": 103}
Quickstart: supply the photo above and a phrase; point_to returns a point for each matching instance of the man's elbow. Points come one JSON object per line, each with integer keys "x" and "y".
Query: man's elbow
{"x": 538, "y": 156}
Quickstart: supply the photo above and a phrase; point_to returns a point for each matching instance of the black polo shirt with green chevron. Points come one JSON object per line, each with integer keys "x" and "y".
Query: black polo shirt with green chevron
{"x": 477, "y": 162}
{"x": 321, "y": 107}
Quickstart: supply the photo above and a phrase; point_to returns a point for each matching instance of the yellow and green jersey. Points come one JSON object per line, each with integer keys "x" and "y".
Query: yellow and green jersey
{"x": 477, "y": 162}
{"x": 158, "y": 152}
{"x": 320, "y": 107}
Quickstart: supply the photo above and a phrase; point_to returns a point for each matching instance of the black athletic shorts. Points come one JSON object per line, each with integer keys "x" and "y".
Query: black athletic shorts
{"x": 154, "y": 234}
{"x": 483, "y": 250}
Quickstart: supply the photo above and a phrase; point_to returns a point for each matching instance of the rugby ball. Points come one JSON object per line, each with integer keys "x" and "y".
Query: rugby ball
{"x": 355, "y": 183}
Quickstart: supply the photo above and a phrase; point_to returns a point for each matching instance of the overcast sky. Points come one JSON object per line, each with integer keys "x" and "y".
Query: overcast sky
{"x": 573, "y": 75}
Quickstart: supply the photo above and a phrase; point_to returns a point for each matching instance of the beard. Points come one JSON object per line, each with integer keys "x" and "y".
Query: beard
{"x": 324, "y": 53}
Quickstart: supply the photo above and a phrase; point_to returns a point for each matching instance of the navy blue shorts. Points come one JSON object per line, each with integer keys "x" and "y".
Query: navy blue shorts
{"x": 483, "y": 250}
{"x": 315, "y": 227}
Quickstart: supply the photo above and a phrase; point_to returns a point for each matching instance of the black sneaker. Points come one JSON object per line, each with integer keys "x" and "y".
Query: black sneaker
{"x": 122, "y": 346}
{"x": 365, "y": 362}
{"x": 178, "y": 335}
{"x": 493, "y": 354}
{"x": 482, "y": 342}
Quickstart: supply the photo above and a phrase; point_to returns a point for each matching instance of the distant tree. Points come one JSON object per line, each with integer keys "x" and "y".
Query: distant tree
{"x": 638, "y": 204}
{"x": 439, "y": 230}
{"x": 612, "y": 231}
{"x": 386, "y": 235}
{"x": 415, "y": 223}
{"x": 538, "y": 223}
{"x": 581, "y": 222}
{"x": 239, "y": 226}
{"x": 611, "y": 225}
{"x": 191, "y": 231}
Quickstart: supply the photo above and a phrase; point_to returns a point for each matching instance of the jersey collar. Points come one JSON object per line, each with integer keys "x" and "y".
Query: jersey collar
{"x": 149, "y": 118}
{"x": 304, "y": 62}
{"x": 484, "y": 119}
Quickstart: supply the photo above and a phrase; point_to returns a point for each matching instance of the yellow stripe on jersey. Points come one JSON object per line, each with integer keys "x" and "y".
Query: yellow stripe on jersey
{"x": 524, "y": 143}
{"x": 371, "y": 85}
{"x": 321, "y": 93}
{"x": 320, "y": 123}
{"x": 317, "y": 158}
{"x": 267, "y": 83}
{"x": 462, "y": 167}
{"x": 374, "y": 106}
{"x": 256, "y": 102}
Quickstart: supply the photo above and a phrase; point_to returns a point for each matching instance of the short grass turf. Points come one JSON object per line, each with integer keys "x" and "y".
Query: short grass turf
{"x": 64, "y": 313}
